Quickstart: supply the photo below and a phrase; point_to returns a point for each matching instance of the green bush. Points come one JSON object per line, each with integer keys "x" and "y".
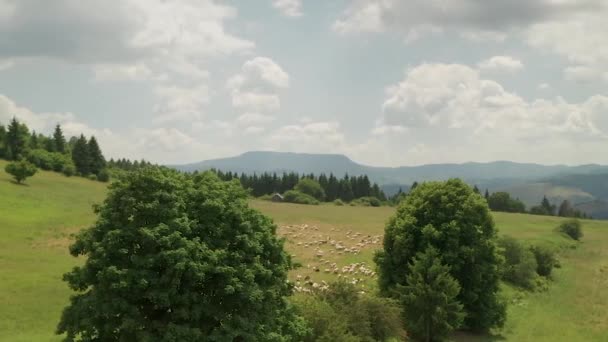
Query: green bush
{"x": 21, "y": 170}
{"x": 69, "y": 170}
{"x": 572, "y": 228}
{"x": 338, "y": 202}
{"x": 520, "y": 264}
{"x": 103, "y": 176}
{"x": 310, "y": 187}
{"x": 92, "y": 177}
{"x": 293, "y": 196}
{"x": 545, "y": 260}
{"x": 46, "y": 160}
{"x": 366, "y": 202}
{"x": 340, "y": 313}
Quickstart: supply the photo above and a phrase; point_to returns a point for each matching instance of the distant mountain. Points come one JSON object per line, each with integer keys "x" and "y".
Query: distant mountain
{"x": 494, "y": 174}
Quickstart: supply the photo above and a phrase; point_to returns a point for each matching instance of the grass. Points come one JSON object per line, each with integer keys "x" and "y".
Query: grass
{"x": 36, "y": 221}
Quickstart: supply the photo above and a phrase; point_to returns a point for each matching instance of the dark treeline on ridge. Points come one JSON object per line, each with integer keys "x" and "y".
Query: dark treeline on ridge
{"x": 346, "y": 188}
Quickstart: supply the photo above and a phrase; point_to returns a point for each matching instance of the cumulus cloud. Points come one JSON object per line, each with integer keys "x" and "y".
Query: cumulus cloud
{"x": 501, "y": 63}
{"x": 289, "y": 8}
{"x": 581, "y": 74}
{"x": 256, "y": 87}
{"x": 454, "y": 96}
{"x": 313, "y": 137}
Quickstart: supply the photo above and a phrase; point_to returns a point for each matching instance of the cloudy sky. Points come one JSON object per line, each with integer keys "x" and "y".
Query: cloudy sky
{"x": 386, "y": 82}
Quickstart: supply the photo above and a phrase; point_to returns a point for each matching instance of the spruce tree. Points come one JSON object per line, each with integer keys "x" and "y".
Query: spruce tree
{"x": 429, "y": 298}
{"x": 2, "y": 141}
{"x": 98, "y": 162}
{"x": 59, "y": 141}
{"x": 17, "y": 140}
{"x": 81, "y": 156}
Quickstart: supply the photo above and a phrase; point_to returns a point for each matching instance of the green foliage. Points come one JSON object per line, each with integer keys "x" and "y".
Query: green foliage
{"x": 338, "y": 202}
{"x": 520, "y": 263}
{"x": 59, "y": 142}
{"x": 16, "y": 140}
{"x": 81, "y": 156}
{"x": 573, "y": 228}
{"x": 431, "y": 309}
{"x": 183, "y": 258}
{"x": 450, "y": 217}
{"x": 545, "y": 208}
{"x": 103, "y": 175}
{"x": 96, "y": 159}
{"x": 340, "y": 313}
{"x": 293, "y": 196}
{"x": 69, "y": 170}
{"x": 49, "y": 161}
{"x": 366, "y": 202}
{"x": 545, "y": 259}
{"x": 21, "y": 170}
{"x": 502, "y": 201}
{"x": 310, "y": 187}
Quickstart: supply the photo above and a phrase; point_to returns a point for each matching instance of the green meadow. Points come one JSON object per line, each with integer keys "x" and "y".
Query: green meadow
{"x": 37, "y": 219}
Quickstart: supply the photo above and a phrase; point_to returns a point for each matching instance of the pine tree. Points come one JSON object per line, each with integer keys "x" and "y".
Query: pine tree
{"x": 81, "y": 156}
{"x": 59, "y": 140}
{"x": 34, "y": 143}
{"x": 96, "y": 159}
{"x": 17, "y": 140}
{"x": 3, "y": 146}
{"x": 476, "y": 190}
{"x": 431, "y": 309}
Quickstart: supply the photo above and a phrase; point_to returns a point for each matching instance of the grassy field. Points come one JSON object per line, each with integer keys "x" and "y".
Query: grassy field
{"x": 37, "y": 219}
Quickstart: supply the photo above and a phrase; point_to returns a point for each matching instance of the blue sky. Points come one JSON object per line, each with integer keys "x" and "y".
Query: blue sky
{"x": 386, "y": 82}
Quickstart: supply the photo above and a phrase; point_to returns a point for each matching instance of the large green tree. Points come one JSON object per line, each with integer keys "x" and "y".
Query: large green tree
{"x": 310, "y": 187}
{"x": 21, "y": 170}
{"x": 59, "y": 142}
{"x": 431, "y": 309}
{"x": 81, "y": 156}
{"x": 16, "y": 140}
{"x": 450, "y": 217}
{"x": 98, "y": 162}
{"x": 174, "y": 257}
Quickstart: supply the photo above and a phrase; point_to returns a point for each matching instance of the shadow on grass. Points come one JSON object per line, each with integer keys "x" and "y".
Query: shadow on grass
{"x": 15, "y": 182}
{"x": 466, "y": 336}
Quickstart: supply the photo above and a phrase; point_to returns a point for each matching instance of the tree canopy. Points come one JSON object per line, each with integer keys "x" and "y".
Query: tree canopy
{"x": 451, "y": 218}
{"x": 21, "y": 170}
{"x": 183, "y": 258}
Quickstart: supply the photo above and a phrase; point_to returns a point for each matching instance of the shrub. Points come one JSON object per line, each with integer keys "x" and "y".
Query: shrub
{"x": 345, "y": 315}
{"x": 21, "y": 170}
{"x": 545, "y": 260}
{"x": 293, "y": 196}
{"x": 46, "y": 160}
{"x": 69, "y": 170}
{"x": 366, "y": 202}
{"x": 91, "y": 177}
{"x": 310, "y": 187}
{"x": 339, "y": 202}
{"x": 520, "y": 264}
{"x": 572, "y": 228}
{"x": 103, "y": 176}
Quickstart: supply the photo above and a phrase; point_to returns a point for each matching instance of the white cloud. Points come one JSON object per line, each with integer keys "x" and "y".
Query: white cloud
{"x": 501, "y": 63}
{"x": 253, "y": 118}
{"x": 581, "y": 74}
{"x": 179, "y": 103}
{"x": 313, "y": 137}
{"x": 256, "y": 87}
{"x": 122, "y": 72}
{"x": 544, "y": 86}
{"x": 289, "y": 8}
{"x": 454, "y": 97}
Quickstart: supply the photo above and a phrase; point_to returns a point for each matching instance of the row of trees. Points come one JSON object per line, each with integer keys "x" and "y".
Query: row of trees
{"x": 78, "y": 155}
{"x": 502, "y": 201}
{"x": 346, "y": 189}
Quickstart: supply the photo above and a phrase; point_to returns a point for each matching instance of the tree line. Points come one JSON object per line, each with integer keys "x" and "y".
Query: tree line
{"x": 77, "y": 156}
{"x": 347, "y": 188}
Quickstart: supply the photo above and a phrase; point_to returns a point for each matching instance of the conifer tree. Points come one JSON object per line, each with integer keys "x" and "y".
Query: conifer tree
{"x": 81, "y": 156}
{"x": 98, "y": 162}
{"x": 59, "y": 141}
{"x": 16, "y": 140}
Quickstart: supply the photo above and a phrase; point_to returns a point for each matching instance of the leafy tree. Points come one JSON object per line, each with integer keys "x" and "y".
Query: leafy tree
{"x": 502, "y": 201}
{"x": 174, "y": 257}
{"x": 59, "y": 142}
{"x": 431, "y": 309}
{"x": 450, "y": 217}
{"x": 310, "y": 187}
{"x": 16, "y": 140}
{"x": 98, "y": 162}
{"x": 21, "y": 170}
{"x": 545, "y": 260}
{"x": 81, "y": 156}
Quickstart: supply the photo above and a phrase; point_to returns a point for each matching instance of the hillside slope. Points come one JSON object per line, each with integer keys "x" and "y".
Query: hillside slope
{"x": 36, "y": 220}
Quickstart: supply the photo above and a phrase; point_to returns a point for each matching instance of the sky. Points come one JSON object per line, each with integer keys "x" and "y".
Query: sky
{"x": 385, "y": 82}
